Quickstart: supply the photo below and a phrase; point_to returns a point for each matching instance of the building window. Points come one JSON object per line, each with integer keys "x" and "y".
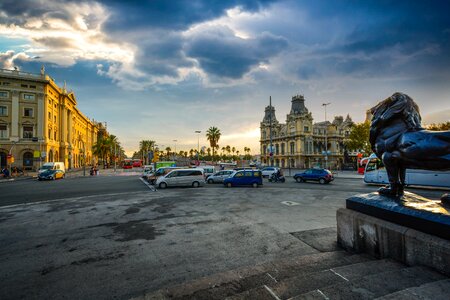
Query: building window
{"x": 54, "y": 118}
{"x": 3, "y": 94}
{"x": 50, "y": 116}
{"x": 27, "y": 132}
{"x": 6, "y": 83}
{"x": 3, "y": 131}
{"x": 305, "y": 128}
{"x": 32, "y": 86}
{"x": 27, "y": 112}
{"x": 3, "y": 111}
{"x": 54, "y": 135}
{"x": 292, "y": 147}
{"x": 28, "y": 96}
{"x": 282, "y": 149}
{"x": 24, "y": 85}
{"x": 277, "y": 149}
{"x": 49, "y": 133}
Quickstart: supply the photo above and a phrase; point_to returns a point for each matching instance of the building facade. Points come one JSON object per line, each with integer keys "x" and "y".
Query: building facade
{"x": 40, "y": 122}
{"x": 300, "y": 143}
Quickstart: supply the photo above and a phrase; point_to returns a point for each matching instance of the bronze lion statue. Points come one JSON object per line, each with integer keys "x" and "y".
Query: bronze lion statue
{"x": 399, "y": 140}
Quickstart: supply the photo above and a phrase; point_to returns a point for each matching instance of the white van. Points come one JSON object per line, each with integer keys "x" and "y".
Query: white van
{"x": 52, "y": 166}
{"x": 181, "y": 177}
{"x": 148, "y": 170}
{"x": 207, "y": 170}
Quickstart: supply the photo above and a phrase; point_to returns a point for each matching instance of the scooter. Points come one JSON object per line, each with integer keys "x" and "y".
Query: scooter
{"x": 275, "y": 178}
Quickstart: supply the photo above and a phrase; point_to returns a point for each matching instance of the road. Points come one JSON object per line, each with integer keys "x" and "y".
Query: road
{"x": 112, "y": 237}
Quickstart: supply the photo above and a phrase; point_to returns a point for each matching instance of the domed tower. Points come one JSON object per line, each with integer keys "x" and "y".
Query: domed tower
{"x": 298, "y": 105}
{"x": 269, "y": 115}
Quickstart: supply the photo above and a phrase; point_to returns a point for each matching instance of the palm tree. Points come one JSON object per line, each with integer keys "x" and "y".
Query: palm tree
{"x": 213, "y": 135}
{"x": 144, "y": 147}
{"x": 223, "y": 150}
{"x": 209, "y": 151}
{"x": 233, "y": 150}
{"x": 228, "y": 148}
{"x": 168, "y": 151}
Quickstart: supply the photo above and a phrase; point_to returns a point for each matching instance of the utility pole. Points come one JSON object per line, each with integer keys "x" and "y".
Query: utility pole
{"x": 326, "y": 135}
{"x": 198, "y": 146}
{"x": 115, "y": 157}
{"x": 175, "y": 153}
{"x": 270, "y": 131}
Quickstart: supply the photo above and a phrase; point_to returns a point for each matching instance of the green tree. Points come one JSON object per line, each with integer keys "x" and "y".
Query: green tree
{"x": 213, "y": 135}
{"x": 358, "y": 139}
{"x": 144, "y": 147}
{"x": 439, "y": 126}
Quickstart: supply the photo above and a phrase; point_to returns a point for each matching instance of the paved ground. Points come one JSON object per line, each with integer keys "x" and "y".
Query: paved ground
{"x": 111, "y": 237}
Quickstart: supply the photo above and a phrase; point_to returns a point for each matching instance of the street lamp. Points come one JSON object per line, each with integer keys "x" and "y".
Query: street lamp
{"x": 198, "y": 145}
{"x": 326, "y": 134}
{"x": 175, "y": 153}
{"x": 84, "y": 155}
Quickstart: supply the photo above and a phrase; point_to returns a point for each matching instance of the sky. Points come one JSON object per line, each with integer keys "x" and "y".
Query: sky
{"x": 161, "y": 70}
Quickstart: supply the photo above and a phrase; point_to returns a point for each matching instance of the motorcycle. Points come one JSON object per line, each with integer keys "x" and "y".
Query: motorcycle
{"x": 277, "y": 178}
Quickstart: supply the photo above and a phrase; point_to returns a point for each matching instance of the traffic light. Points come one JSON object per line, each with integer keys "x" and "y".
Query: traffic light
{"x": 155, "y": 156}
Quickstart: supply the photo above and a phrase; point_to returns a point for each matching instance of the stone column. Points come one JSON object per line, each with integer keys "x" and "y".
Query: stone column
{"x": 15, "y": 116}
{"x": 40, "y": 116}
{"x": 63, "y": 127}
{"x": 70, "y": 126}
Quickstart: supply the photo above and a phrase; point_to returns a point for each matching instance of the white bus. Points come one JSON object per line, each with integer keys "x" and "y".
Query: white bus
{"x": 375, "y": 173}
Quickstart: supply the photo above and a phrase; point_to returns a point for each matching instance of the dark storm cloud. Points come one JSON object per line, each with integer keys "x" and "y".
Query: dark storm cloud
{"x": 221, "y": 53}
{"x": 174, "y": 14}
{"x": 375, "y": 38}
{"x": 161, "y": 53}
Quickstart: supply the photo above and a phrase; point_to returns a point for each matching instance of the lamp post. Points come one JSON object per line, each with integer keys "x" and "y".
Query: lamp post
{"x": 198, "y": 146}
{"x": 326, "y": 135}
{"x": 270, "y": 131}
{"x": 84, "y": 155}
{"x": 175, "y": 153}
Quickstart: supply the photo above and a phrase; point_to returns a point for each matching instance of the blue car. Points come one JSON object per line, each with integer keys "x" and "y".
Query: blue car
{"x": 321, "y": 175}
{"x": 244, "y": 177}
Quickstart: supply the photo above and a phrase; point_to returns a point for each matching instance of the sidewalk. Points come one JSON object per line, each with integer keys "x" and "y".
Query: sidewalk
{"x": 336, "y": 174}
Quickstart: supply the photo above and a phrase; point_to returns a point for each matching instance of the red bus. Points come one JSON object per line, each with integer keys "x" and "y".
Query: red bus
{"x": 127, "y": 163}
{"x": 137, "y": 163}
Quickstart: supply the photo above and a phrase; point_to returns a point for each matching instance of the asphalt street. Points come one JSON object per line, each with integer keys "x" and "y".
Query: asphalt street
{"x": 112, "y": 237}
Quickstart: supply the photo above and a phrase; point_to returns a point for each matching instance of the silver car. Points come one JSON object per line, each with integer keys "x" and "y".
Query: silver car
{"x": 181, "y": 177}
{"x": 219, "y": 176}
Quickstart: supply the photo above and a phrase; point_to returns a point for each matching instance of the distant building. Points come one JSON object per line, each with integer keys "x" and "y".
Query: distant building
{"x": 37, "y": 115}
{"x": 300, "y": 143}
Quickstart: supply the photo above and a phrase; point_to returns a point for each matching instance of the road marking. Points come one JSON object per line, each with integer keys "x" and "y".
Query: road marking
{"x": 271, "y": 277}
{"x": 324, "y": 296}
{"x": 338, "y": 274}
{"x": 151, "y": 187}
{"x": 68, "y": 199}
{"x": 290, "y": 203}
{"x": 272, "y": 293}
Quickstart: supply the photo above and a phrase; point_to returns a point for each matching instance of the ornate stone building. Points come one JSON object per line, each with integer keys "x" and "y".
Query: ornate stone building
{"x": 300, "y": 143}
{"x": 36, "y": 115}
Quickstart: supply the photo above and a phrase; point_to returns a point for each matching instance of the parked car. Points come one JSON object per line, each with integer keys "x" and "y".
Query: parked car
{"x": 219, "y": 176}
{"x": 321, "y": 175}
{"x": 181, "y": 177}
{"x": 51, "y": 175}
{"x": 148, "y": 170}
{"x": 52, "y": 166}
{"x": 207, "y": 170}
{"x": 268, "y": 171}
{"x": 151, "y": 178}
{"x": 245, "y": 177}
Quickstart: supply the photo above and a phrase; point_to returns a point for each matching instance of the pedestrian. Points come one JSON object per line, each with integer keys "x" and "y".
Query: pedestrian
{"x": 5, "y": 172}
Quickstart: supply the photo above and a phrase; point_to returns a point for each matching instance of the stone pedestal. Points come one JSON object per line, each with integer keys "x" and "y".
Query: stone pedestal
{"x": 369, "y": 225}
